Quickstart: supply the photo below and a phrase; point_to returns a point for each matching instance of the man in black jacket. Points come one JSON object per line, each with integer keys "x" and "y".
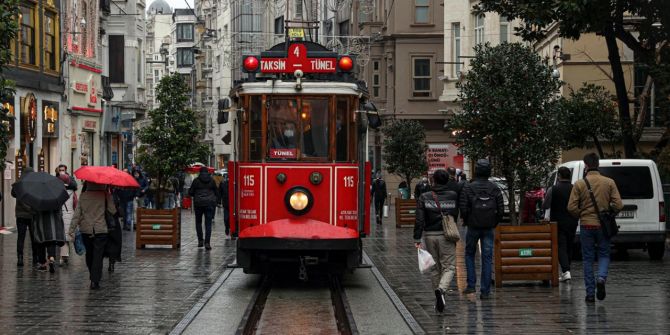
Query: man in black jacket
{"x": 205, "y": 196}
{"x": 24, "y": 219}
{"x": 378, "y": 192}
{"x": 431, "y": 206}
{"x": 223, "y": 192}
{"x": 482, "y": 207}
{"x": 556, "y": 201}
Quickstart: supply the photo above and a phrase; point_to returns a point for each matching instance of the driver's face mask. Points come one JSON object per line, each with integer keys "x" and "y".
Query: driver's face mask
{"x": 289, "y": 132}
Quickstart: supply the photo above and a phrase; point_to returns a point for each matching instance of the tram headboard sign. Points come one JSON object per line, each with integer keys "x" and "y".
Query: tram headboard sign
{"x": 297, "y": 59}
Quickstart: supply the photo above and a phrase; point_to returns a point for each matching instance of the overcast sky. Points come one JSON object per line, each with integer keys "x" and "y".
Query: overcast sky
{"x": 175, "y": 3}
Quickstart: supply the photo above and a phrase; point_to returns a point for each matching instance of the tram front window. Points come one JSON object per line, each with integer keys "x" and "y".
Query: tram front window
{"x": 297, "y": 131}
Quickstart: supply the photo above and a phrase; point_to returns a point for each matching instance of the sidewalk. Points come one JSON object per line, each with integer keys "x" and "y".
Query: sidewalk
{"x": 638, "y": 297}
{"x": 150, "y": 291}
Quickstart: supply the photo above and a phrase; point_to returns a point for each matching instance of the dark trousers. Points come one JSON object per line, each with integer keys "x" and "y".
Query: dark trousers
{"x": 566, "y": 241}
{"x": 226, "y": 220}
{"x": 486, "y": 236}
{"x": 208, "y": 212}
{"x": 22, "y": 227}
{"x": 44, "y": 251}
{"x": 95, "y": 249}
{"x": 379, "y": 209}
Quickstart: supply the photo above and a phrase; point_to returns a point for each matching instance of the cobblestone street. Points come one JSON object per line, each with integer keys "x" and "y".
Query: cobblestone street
{"x": 147, "y": 294}
{"x": 638, "y": 299}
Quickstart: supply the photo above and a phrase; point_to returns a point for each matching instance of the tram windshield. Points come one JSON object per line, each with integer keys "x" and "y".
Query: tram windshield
{"x": 298, "y": 129}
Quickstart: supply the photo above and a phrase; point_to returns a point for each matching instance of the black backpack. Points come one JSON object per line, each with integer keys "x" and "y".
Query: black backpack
{"x": 484, "y": 210}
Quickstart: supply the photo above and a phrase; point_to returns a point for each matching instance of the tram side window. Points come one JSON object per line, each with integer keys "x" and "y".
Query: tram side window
{"x": 256, "y": 128}
{"x": 314, "y": 125}
{"x": 341, "y": 130}
{"x": 283, "y": 124}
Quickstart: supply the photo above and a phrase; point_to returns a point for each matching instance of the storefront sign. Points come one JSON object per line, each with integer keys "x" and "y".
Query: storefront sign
{"x": 50, "y": 124}
{"x": 28, "y": 118}
{"x": 90, "y": 125}
{"x": 442, "y": 156}
{"x": 93, "y": 97}
{"x": 9, "y": 106}
{"x": 80, "y": 87}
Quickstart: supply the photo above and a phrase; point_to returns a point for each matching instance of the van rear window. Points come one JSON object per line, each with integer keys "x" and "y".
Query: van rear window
{"x": 633, "y": 182}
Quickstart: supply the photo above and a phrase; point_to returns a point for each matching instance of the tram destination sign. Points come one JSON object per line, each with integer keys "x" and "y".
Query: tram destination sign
{"x": 297, "y": 60}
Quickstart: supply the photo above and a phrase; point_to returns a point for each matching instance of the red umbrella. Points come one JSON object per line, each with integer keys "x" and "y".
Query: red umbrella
{"x": 106, "y": 175}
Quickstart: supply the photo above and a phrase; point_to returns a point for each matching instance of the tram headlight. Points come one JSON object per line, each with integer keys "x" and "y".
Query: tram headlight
{"x": 299, "y": 200}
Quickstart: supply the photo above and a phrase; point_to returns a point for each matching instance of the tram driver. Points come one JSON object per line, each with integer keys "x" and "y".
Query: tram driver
{"x": 285, "y": 138}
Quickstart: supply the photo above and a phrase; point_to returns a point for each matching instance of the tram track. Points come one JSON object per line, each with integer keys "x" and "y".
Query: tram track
{"x": 277, "y": 306}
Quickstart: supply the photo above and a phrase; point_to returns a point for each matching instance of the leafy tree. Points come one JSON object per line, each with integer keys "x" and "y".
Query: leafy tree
{"x": 643, "y": 26}
{"x": 510, "y": 115}
{"x": 589, "y": 115}
{"x": 405, "y": 149}
{"x": 172, "y": 140}
{"x": 8, "y": 29}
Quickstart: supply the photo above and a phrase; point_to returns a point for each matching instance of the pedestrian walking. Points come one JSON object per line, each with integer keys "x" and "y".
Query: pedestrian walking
{"x": 62, "y": 169}
{"x": 49, "y": 234}
{"x": 604, "y": 191}
{"x": 422, "y": 187}
{"x": 223, "y": 192}
{"x": 378, "y": 192}
{"x": 24, "y": 218}
{"x": 67, "y": 213}
{"x": 481, "y": 205}
{"x": 205, "y": 196}
{"x": 453, "y": 184}
{"x": 431, "y": 207}
{"x": 144, "y": 187}
{"x": 556, "y": 202}
{"x": 126, "y": 200}
{"x": 89, "y": 217}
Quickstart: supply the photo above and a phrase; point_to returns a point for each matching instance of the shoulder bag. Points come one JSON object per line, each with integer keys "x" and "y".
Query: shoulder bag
{"x": 448, "y": 224}
{"x": 607, "y": 219}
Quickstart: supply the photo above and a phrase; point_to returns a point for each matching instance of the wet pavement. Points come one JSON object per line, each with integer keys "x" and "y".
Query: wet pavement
{"x": 149, "y": 292}
{"x": 153, "y": 289}
{"x": 638, "y": 295}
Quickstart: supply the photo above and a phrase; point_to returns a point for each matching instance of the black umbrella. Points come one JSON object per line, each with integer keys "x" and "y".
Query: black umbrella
{"x": 41, "y": 191}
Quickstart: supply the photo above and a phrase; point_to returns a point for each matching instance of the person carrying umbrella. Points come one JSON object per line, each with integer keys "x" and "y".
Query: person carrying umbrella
{"x": 24, "y": 219}
{"x": 45, "y": 195}
{"x": 89, "y": 217}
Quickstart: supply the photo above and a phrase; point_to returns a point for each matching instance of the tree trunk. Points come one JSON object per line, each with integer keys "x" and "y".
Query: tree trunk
{"x": 622, "y": 96}
{"x": 599, "y": 146}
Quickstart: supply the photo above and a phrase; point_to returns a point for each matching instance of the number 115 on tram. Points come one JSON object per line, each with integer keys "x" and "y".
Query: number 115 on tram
{"x": 299, "y": 177}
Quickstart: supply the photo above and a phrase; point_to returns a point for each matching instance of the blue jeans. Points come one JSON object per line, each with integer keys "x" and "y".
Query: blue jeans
{"x": 593, "y": 240}
{"x": 128, "y": 220}
{"x": 169, "y": 201}
{"x": 472, "y": 236}
{"x": 208, "y": 212}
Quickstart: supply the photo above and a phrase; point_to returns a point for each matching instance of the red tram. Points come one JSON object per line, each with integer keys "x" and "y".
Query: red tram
{"x": 300, "y": 177}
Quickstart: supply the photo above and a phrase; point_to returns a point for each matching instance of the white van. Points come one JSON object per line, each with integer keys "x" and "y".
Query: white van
{"x": 642, "y": 220}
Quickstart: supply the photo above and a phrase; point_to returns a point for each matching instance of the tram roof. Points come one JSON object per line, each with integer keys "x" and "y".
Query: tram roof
{"x": 288, "y": 87}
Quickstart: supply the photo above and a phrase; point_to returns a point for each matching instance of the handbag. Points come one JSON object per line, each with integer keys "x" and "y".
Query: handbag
{"x": 79, "y": 247}
{"x": 110, "y": 220}
{"x": 607, "y": 219}
{"x": 448, "y": 224}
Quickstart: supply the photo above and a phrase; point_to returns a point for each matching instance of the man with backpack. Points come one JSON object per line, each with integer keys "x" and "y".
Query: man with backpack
{"x": 378, "y": 192}
{"x": 481, "y": 205}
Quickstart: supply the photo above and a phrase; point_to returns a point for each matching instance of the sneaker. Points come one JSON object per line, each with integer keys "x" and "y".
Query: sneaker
{"x": 469, "y": 290}
{"x": 590, "y": 298}
{"x": 439, "y": 300}
{"x": 485, "y": 296}
{"x": 207, "y": 246}
{"x": 201, "y": 244}
{"x": 600, "y": 289}
{"x": 565, "y": 276}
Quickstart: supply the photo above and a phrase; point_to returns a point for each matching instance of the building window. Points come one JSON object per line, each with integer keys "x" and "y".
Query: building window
{"x": 456, "y": 48}
{"x": 27, "y": 35}
{"x": 504, "y": 29}
{"x": 218, "y": 63}
{"x": 376, "y": 78}
{"x": 422, "y": 11}
{"x": 421, "y": 77}
{"x": 344, "y": 28}
{"x": 116, "y": 59}
{"x": 279, "y": 25}
{"x": 479, "y": 29}
{"x": 184, "y": 32}
{"x": 50, "y": 45}
{"x": 184, "y": 57}
{"x": 156, "y": 75}
{"x": 139, "y": 61}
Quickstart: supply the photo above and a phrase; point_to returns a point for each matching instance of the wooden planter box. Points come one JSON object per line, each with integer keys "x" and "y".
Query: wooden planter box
{"x": 158, "y": 227}
{"x": 405, "y": 212}
{"x": 526, "y": 253}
